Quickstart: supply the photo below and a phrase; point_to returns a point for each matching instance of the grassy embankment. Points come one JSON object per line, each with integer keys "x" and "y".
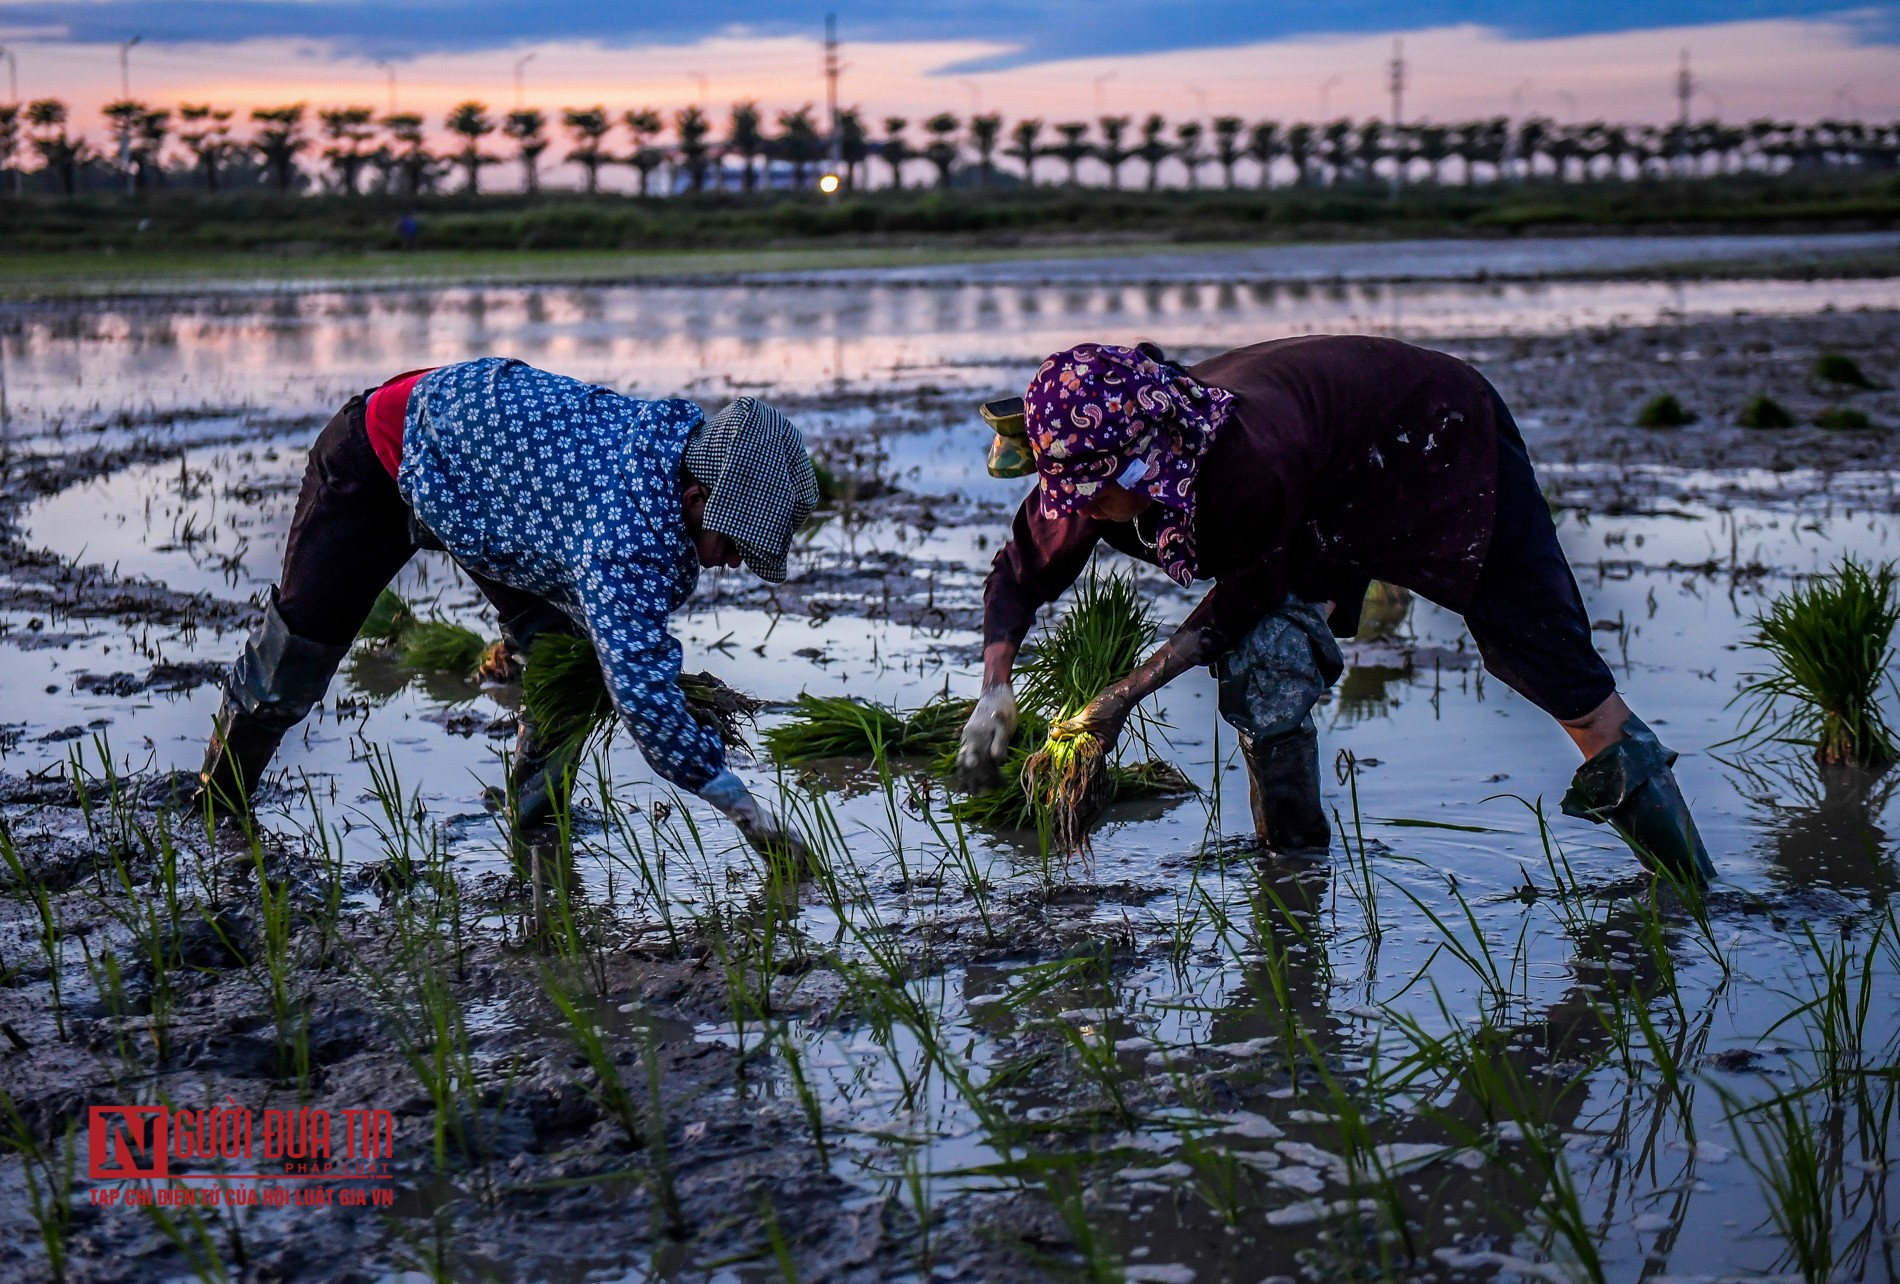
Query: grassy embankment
{"x": 171, "y": 235}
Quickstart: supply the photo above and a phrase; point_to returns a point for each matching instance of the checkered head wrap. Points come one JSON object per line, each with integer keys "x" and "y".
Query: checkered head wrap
{"x": 763, "y": 487}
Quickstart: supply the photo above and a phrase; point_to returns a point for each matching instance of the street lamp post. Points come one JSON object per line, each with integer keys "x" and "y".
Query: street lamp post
{"x": 521, "y": 64}
{"x": 389, "y": 70}
{"x": 125, "y": 127}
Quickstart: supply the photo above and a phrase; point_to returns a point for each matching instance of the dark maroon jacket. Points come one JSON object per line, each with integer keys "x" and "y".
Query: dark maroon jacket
{"x": 1344, "y": 459}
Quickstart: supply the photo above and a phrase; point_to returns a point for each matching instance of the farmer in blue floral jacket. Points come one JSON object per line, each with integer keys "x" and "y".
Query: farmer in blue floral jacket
{"x": 573, "y": 507}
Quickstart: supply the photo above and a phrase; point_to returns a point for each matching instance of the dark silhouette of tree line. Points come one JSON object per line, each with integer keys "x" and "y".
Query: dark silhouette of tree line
{"x": 355, "y": 150}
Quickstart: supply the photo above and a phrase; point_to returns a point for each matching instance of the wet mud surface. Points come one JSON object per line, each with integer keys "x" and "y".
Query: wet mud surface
{"x": 1469, "y": 1045}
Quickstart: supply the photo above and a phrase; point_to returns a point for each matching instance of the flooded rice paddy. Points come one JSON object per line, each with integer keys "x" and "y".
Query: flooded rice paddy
{"x": 1471, "y": 1045}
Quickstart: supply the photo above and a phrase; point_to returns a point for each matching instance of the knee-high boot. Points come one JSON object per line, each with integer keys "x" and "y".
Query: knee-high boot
{"x": 277, "y": 679}
{"x": 1283, "y": 774}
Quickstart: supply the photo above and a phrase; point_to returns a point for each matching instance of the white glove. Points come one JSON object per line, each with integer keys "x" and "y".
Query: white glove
{"x": 767, "y": 832}
{"x": 984, "y": 747}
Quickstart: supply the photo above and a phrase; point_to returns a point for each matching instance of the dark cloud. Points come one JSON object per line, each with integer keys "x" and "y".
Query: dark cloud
{"x": 1037, "y": 30}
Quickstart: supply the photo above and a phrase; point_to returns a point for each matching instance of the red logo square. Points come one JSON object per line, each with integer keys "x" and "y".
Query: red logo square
{"x": 124, "y": 1142}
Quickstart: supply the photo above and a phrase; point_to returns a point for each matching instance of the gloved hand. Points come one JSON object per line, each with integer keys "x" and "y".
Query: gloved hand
{"x": 1104, "y": 717}
{"x": 985, "y": 743}
{"x": 767, "y": 832}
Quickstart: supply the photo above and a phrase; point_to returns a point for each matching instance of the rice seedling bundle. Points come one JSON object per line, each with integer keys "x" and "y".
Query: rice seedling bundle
{"x": 421, "y": 644}
{"x": 842, "y": 727}
{"x": 1664, "y": 410}
{"x": 1067, "y": 781}
{"x": 564, "y": 694}
{"x": 1841, "y": 370}
{"x": 1763, "y": 411}
{"x": 1829, "y": 644}
{"x": 442, "y": 646}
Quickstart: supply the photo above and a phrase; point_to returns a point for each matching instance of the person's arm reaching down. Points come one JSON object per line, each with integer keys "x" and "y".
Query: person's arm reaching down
{"x": 624, "y": 610}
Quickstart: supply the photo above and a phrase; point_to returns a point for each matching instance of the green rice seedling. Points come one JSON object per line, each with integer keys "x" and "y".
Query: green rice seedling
{"x": 1364, "y": 881}
{"x": 1841, "y": 370}
{"x": 590, "y": 1040}
{"x": 775, "y": 1234}
{"x": 389, "y": 618}
{"x": 1843, "y": 419}
{"x": 1780, "y": 1142}
{"x": 1068, "y": 779}
{"x": 1664, "y": 410}
{"x": 564, "y": 693}
{"x": 1763, "y": 411}
{"x": 1099, "y": 640}
{"x": 50, "y": 938}
{"x": 724, "y": 709}
{"x": 666, "y": 1189}
{"x": 442, "y": 646}
{"x": 1829, "y": 643}
{"x": 49, "y": 1180}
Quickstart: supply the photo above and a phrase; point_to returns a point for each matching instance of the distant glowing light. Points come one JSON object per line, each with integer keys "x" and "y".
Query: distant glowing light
{"x": 828, "y": 183}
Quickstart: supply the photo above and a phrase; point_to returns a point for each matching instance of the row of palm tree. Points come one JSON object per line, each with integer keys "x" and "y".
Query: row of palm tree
{"x": 345, "y": 146}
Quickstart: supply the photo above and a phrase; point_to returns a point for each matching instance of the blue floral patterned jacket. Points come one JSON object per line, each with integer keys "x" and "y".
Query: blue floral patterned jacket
{"x": 571, "y": 491}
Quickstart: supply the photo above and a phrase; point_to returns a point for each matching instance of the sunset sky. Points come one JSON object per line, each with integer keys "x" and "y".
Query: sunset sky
{"x": 1058, "y": 59}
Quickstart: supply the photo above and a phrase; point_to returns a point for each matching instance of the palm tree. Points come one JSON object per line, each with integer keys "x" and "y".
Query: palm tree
{"x": 410, "y": 158}
{"x": 894, "y": 148}
{"x": 1263, "y": 145}
{"x": 1073, "y": 148}
{"x": 1227, "y": 146}
{"x": 1336, "y": 147}
{"x": 1023, "y": 148}
{"x": 799, "y": 142}
{"x": 1187, "y": 147}
{"x": 691, "y": 127}
{"x": 1371, "y": 149}
{"x": 1153, "y": 149}
{"x": 124, "y": 115}
{"x": 148, "y": 140}
{"x": 644, "y": 124}
{"x": 589, "y": 125}
{"x": 1532, "y": 135}
{"x": 472, "y": 122}
{"x": 1112, "y": 151}
{"x": 941, "y": 151}
{"x": 854, "y": 145}
{"x": 1299, "y": 150}
{"x": 348, "y": 131}
{"x": 60, "y": 154}
{"x": 985, "y": 131}
{"x": 206, "y": 134}
{"x": 528, "y": 127}
{"x": 745, "y": 140}
{"x": 279, "y": 139}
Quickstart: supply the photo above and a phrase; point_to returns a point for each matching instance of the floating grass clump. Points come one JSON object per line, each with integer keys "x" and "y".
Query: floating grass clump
{"x": 1763, "y": 411}
{"x": 1843, "y": 419}
{"x": 1664, "y": 411}
{"x": 1829, "y": 643}
{"x": 1841, "y": 370}
{"x": 565, "y": 697}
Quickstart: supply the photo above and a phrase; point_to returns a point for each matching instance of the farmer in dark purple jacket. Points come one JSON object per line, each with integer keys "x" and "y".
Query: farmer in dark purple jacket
{"x": 1291, "y": 474}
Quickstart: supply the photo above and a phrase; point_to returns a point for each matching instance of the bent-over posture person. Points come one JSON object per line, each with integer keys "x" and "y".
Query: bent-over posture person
{"x": 572, "y": 507}
{"x": 1291, "y": 474}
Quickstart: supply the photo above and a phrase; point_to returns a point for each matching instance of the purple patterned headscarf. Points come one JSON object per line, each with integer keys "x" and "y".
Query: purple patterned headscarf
{"x": 1098, "y": 413}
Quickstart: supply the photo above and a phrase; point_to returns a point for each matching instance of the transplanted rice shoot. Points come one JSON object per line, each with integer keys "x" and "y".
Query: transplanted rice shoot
{"x": 1829, "y": 643}
{"x": 1763, "y": 411}
{"x": 1664, "y": 410}
{"x": 1840, "y": 370}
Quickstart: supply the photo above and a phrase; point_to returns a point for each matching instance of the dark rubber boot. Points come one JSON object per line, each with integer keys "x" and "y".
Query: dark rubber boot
{"x": 1630, "y": 785}
{"x": 277, "y": 679}
{"x": 1284, "y": 777}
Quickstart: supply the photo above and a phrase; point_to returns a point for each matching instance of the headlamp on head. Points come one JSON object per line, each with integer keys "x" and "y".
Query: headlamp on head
{"x": 1009, "y": 449}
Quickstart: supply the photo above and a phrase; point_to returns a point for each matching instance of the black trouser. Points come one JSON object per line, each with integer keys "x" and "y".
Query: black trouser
{"x": 1526, "y": 613}
{"x": 350, "y": 536}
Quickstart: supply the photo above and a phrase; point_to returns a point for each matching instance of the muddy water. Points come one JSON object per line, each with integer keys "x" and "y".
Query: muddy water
{"x": 1439, "y": 760}
{"x": 78, "y": 366}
